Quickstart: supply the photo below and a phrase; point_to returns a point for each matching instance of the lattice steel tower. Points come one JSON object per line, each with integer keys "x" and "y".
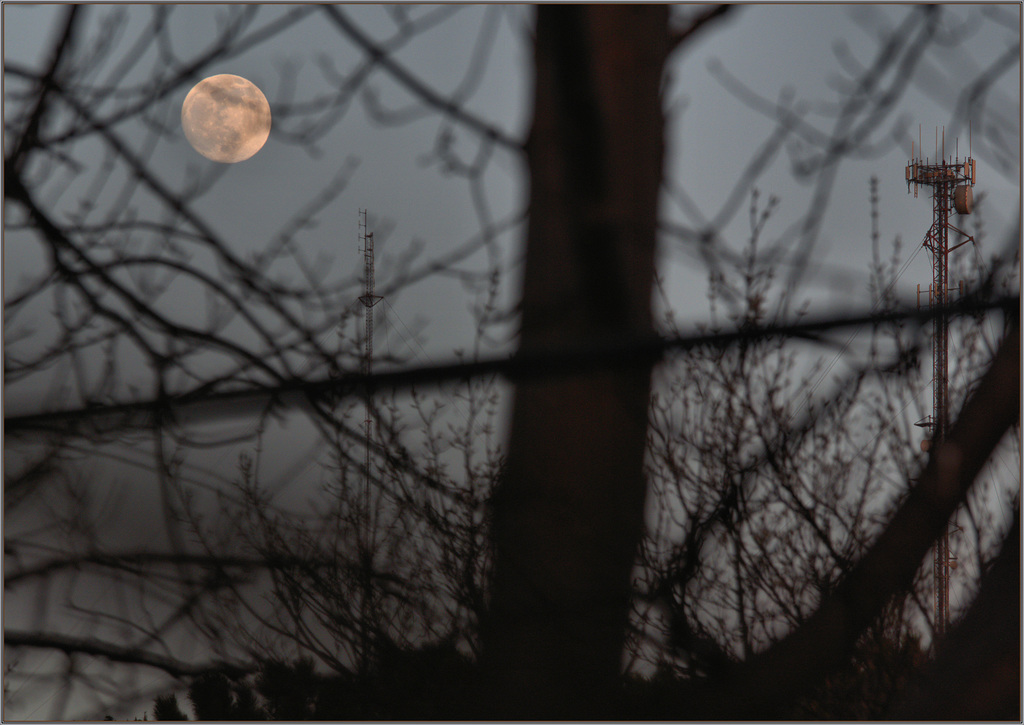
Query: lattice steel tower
{"x": 369, "y": 299}
{"x": 951, "y": 180}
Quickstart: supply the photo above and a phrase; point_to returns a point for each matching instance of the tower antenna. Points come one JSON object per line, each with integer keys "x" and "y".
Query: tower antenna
{"x": 952, "y": 190}
{"x": 369, "y": 298}
{"x": 367, "y": 523}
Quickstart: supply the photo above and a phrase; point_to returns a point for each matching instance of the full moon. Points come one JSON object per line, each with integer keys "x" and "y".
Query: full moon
{"x": 226, "y": 118}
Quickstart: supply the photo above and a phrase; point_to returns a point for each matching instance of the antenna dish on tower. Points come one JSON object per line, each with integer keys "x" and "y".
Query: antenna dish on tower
{"x": 963, "y": 199}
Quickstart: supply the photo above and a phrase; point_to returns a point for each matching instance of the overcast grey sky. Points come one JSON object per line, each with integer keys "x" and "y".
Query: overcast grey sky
{"x": 801, "y": 53}
{"x": 712, "y": 136}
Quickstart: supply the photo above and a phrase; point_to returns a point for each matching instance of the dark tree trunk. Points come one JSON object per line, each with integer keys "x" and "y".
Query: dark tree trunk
{"x": 569, "y": 512}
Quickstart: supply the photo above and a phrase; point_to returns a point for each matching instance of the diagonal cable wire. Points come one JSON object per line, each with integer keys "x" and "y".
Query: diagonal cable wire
{"x": 306, "y": 394}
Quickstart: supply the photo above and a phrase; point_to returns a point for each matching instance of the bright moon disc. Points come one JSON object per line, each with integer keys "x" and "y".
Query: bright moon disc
{"x": 226, "y": 118}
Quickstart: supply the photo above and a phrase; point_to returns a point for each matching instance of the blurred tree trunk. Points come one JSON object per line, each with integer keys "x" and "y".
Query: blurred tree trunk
{"x": 569, "y": 511}
{"x": 976, "y": 675}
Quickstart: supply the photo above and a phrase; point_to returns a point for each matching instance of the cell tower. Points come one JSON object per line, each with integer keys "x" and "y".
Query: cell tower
{"x": 366, "y": 524}
{"x": 369, "y": 299}
{"x": 951, "y": 180}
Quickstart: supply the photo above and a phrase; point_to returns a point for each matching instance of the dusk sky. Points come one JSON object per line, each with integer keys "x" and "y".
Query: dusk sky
{"x": 796, "y": 55}
{"x": 712, "y": 137}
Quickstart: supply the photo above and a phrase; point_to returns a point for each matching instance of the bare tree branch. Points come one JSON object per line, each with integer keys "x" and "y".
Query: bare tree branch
{"x": 451, "y": 109}
{"x": 696, "y": 24}
{"x": 772, "y": 679}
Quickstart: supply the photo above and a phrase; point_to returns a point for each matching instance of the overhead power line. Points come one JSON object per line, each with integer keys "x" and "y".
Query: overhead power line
{"x": 523, "y": 365}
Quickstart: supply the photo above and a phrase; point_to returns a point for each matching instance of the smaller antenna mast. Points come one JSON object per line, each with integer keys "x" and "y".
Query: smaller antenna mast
{"x": 365, "y": 529}
{"x": 369, "y": 298}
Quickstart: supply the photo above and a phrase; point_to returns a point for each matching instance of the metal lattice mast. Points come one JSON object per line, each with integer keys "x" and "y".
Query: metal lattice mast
{"x": 369, "y": 299}
{"x": 367, "y": 524}
{"x": 951, "y": 181}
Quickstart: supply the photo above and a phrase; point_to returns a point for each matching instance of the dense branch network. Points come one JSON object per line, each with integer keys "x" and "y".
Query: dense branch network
{"x": 783, "y": 527}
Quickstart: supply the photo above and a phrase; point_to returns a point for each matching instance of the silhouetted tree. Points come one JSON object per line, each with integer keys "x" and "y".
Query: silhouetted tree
{"x": 426, "y": 552}
{"x": 214, "y": 696}
{"x": 165, "y": 707}
{"x": 211, "y": 697}
{"x": 885, "y": 660}
{"x": 431, "y": 683}
{"x": 290, "y": 692}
